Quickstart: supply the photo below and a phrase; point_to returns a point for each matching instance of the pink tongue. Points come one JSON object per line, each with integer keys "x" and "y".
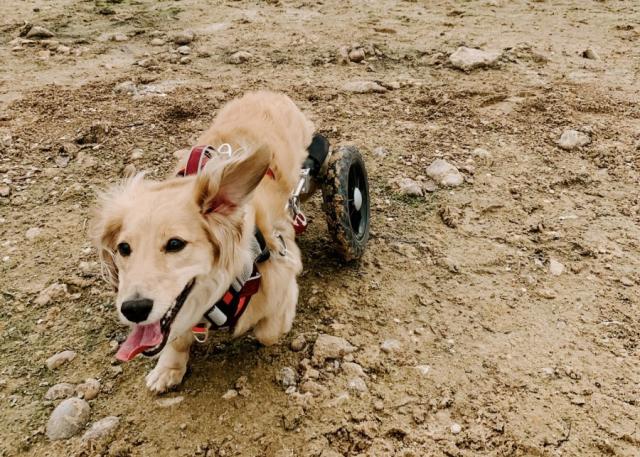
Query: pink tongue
{"x": 142, "y": 337}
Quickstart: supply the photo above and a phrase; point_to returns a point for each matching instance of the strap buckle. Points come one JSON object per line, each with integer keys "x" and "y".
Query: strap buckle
{"x": 200, "y": 333}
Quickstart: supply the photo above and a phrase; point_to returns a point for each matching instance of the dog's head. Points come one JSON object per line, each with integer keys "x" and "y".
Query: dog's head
{"x": 169, "y": 247}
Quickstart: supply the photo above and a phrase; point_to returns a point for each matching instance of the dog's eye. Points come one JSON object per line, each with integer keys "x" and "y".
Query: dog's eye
{"x": 175, "y": 245}
{"x": 124, "y": 249}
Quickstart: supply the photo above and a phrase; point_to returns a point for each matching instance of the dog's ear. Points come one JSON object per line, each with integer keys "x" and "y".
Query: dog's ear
{"x": 229, "y": 184}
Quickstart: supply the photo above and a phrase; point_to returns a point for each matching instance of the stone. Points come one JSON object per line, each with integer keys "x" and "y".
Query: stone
{"x": 356, "y": 55}
{"x": 444, "y": 174}
{"x": 330, "y": 347}
{"x": 119, "y": 37}
{"x": 101, "y": 428}
{"x": 62, "y": 49}
{"x": 59, "y": 391}
{"x": 137, "y": 154}
{"x": 126, "y": 87}
{"x": 380, "y": 152}
{"x": 184, "y": 37}
{"x": 33, "y": 233}
{"x": 626, "y": 281}
{"x": 481, "y": 154}
{"x": 89, "y": 389}
{"x": 169, "y": 402}
{"x": 298, "y": 343}
{"x": 343, "y": 55}
{"x": 55, "y": 361}
{"x": 67, "y": 419}
{"x": 590, "y": 54}
{"x": 147, "y": 63}
{"x": 390, "y": 346}
{"x": 230, "y": 394}
{"x": 352, "y": 369}
{"x": 455, "y": 428}
{"x": 55, "y": 291}
{"x": 39, "y": 32}
{"x": 573, "y": 139}
{"x": 240, "y": 57}
{"x": 184, "y": 50}
{"x": 357, "y": 384}
{"x": 467, "y": 59}
{"x": 185, "y": 60}
{"x": 312, "y": 387}
{"x": 157, "y": 42}
{"x": 88, "y": 268}
{"x": 409, "y": 187}
{"x": 363, "y": 87}
{"x": 555, "y": 267}
{"x": 5, "y": 191}
{"x": 423, "y": 369}
{"x": 287, "y": 377}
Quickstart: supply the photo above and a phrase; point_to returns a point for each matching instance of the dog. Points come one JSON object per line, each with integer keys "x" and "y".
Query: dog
{"x": 172, "y": 248}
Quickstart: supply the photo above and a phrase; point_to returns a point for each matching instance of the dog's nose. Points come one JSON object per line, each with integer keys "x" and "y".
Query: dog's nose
{"x": 137, "y": 310}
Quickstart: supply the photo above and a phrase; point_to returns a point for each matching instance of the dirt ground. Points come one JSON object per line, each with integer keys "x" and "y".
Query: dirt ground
{"x": 527, "y": 362}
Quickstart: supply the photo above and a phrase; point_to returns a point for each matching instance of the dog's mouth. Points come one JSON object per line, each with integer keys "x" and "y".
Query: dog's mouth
{"x": 151, "y": 339}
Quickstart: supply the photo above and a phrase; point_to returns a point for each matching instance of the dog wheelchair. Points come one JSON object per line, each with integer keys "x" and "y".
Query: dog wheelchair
{"x": 342, "y": 177}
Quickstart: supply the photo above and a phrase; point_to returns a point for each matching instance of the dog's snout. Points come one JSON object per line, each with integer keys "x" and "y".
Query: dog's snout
{"x": 137, "y": 310}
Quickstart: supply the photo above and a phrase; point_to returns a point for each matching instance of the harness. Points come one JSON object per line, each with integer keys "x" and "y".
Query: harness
{"x": 226, "y": 312}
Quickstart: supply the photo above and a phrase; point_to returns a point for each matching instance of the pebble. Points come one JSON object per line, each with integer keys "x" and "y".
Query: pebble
{"x": 356, "y": 55}
{"x": 330, "y": 347}
{"x": 298, "y": 343}
{"x": 287, "y": 377}
{"x": 423, "y": 369}
{"x": 101, "y": 428}
{"x": 590, "y": 54}
{"x": 39, "y": 32}
{"x": 555, "y": 267}
{"x": 231, "y": 393}
{"x": 62, "y": 49}
{"x": 445, "y": 174}
{"x": 157, "y": 42}
{"x": 352, "y": 369}
{"x": 55, "y": 361}
{"x": 184, "y": 50}
{"x": 481, "y": 153}
{"x": 390, "y": 346}
{"x": 380, "y": 152}
{"x": 33, "y": 232}
{"x": 184, "y": 37}
{"x": 169, "y": 402}
{"x": 126, "y": 87}
{"x": 240, "y": 57}
{"x": 89, "y": 389}
{"x": 137, "y": 154}
{"x": 573, "y": 139}
{"x": 147, "y": 63}
{"x": 58, "y": 391}
{"x": 410, "y": 187}
{"x": 5, "y": 191}
{"x": 55, "y": 291}
{"x": 119, "y": 37}
{"x": 363, "y": 87}
{"x": 357, "y": 384}
{"x": 185, "y": 60}
{"x": 455, "y": 428}
{"x": 67, "y": 419}
{"x": 88, "y": 268}
{"x": 626, "y": 281}
{"x": 469, "y": 58}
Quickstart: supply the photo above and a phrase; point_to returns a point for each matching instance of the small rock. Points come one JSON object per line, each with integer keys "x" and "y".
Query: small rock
{"x": 578, "y": 400}
{"x": 240, "y": 57}
{"x": 455, "y": 428}
{"x": 380, "y": 152}
{"x": 429, "y": 185}
{"x": 423, "y": 369}
{"x": 62, "y": 49}
{"x": 169, "y": 402}
{"x": 357, "y": 384}
{"x": 287, "y": 377}
{"x": 184, "y": 37}
{"x": 555, "y": 267}
{"x": 356, "y": 55}
{"x": 298, "y": 343}
{"x": 330, "y": 347}
{"x": 116, "y": 370}
{"x": 44, "y": 55}
{"x": 481, "y": 153}
{"x": 157, "y": 42}
{"x": 409, "y": 187}
{"x": 88, "y": 268}
{"x": 390, "y": 346}
{"x": 626, "y": 281}
{"x": 33, "y": 232}
{"x": 352, "y": 369}
{"x": 185, "y": 60}
{"x": 231, "y": 393}
{"x": 55, "y": 291}
{"x": 469, "y": 58}
{"x": 445, "y": 174}
{"x": 137, "y": 154}
{"x": 591, "y": 54}
{"x": 378, "y": 405}
{"x": 147, "y": 63}
{"x": 39, "y": 32}
{"x": 58, "y": 391}
{"x": 5, "y": 191}
{"x": 55, "y": 361}
{"x": 343, "y": 55}
{"x": 363, "y": 87}
{"x": 573, "y": 139}
{"x": 67, "y": 419}
{"x": 101, "y": 428}
{"x": 312, "y": 387}
{"x": 127, "y": 87}
{"x": 184, "y": 50}
{"x": 89, "y": 389}
{"x": 119, "y": 37}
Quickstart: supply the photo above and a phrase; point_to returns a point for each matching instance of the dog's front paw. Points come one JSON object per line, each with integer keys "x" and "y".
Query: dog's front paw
{"x": 162, "y": 378}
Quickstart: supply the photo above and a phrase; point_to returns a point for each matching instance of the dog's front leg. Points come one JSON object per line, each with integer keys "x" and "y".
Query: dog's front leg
{"x": 171, "y": 365}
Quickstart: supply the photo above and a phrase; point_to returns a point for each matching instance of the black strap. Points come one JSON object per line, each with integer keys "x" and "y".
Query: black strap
{"x": 264, "y": 249}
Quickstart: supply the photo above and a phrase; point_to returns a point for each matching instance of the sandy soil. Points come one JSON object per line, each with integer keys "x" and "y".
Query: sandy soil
{"x": 526, "y": 362}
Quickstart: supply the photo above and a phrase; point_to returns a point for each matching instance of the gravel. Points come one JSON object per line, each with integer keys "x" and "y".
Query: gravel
{"x": 67, "y": 419}
{"x": 357, "y": 384}
{"x": 229, "y": 394}
{"x": 55, "y": 361}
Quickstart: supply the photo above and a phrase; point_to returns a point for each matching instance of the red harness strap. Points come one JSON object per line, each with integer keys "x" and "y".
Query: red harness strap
{"x": 198, "y": 158}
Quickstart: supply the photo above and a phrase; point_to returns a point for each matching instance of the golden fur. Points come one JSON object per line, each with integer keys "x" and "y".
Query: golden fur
{"x": 268, "y": 131}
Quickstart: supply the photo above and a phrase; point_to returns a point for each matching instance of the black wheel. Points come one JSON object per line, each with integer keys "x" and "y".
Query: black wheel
{"x": 345, "y": 194}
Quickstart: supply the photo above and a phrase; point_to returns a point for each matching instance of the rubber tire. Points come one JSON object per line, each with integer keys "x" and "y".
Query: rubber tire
{"x": 335, "y": 187}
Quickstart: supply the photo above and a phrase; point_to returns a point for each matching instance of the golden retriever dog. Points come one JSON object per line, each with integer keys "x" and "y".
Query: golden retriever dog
{"x": 172, "y": 248}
